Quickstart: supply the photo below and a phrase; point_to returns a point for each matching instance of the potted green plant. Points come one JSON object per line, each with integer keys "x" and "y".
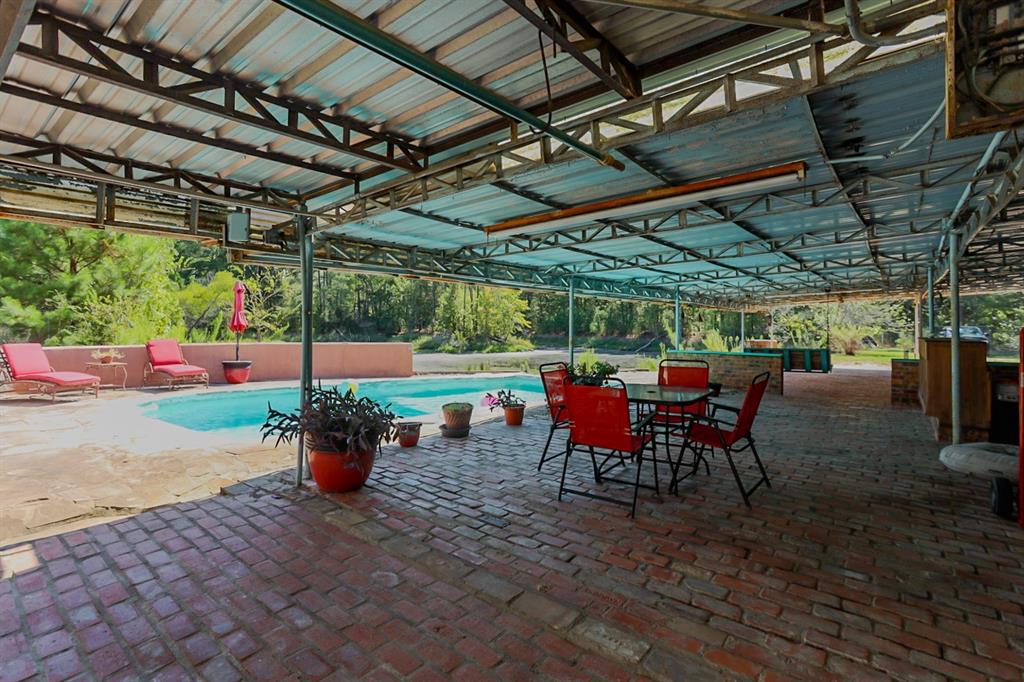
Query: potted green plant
{"x": 107, "y": 355}
{"x": 591, "y": 374}
{"x": 456, "y": 419}
{"x": 513, "y": 406}
{"x": 343, "y": 435}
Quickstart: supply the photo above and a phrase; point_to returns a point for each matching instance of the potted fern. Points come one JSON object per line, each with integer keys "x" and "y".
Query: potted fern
{"x": 343, "y": 435}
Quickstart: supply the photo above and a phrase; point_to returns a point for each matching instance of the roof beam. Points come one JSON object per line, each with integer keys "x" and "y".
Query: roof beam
{"x": 347, "y": 24}
{"x": 134, "y": 121}
{"x": 173, "y": 80}
{"x": 14, "y": 16}
{"x": 614, "y": 70}
{"x": 735, "y": 15}
{"x": 627, "y": 124}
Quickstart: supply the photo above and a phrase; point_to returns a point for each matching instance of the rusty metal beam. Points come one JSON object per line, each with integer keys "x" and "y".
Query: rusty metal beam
{"x": 555, "y": 16}
{"x": 739, "y": 16}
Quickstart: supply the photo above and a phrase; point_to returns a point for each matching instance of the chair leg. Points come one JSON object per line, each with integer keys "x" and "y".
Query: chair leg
{"x": 736, "y": 475}
{"x": 757, "y": 458}
{"x": 593, "y": 460}
{"x": 636, "y": 485}
{"x": 654, "y": 463}
{"x": 544, "y": 455}
{"x": 565, "y": 467}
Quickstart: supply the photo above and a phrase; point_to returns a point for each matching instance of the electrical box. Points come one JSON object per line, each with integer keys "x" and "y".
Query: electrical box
{"x": 237, "y": 229}
{"x": 984, "y": 66}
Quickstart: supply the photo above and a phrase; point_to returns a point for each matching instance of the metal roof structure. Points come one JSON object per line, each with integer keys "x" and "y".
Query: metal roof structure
{"x": 165, "y": 117}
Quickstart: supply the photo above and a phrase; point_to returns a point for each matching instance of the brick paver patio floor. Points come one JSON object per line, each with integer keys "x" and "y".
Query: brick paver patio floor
{"x": 865, "y": 560}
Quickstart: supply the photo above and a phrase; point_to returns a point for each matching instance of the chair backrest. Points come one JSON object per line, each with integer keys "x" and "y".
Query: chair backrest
{"x": 555, "y": 376}
{"x": 164, "y": 352}
{"x": 599, "y": 416}
{"x": 751, "y": 401}
{"x": 25, "y": 358}
{"x": 689, "y": 373}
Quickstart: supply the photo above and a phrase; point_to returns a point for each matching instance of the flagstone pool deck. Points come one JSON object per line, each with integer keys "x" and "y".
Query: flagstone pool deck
{"x": 78, "y": 460}
{"x": 865, "y": 560}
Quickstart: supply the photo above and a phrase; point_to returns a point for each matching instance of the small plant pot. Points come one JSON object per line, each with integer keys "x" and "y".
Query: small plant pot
{"x": 454, "y": 433}
{"x": 409, "y": 434}
{"x": 106, "y": 359}
{"x": 236, "y": 371}
{"x": 457, "y": 415}
{"x": 514, "y": 415}
{"x": 340, "y": 472}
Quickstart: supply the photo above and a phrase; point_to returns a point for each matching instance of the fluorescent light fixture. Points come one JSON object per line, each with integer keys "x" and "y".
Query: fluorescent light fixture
{"x": 655, "y": 200}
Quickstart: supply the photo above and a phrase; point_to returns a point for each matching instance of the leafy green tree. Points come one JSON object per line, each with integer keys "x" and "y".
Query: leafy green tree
{"x": 85, "y": 286}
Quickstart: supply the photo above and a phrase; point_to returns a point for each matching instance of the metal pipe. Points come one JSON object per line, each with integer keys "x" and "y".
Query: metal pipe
{"x": 306, "y": 338}
{"x": 743, "y": 329}
{"x": 859, "y": 33}
{"x": 344, "y": 23}
{"x": 931, "y": 303}
{"x": 572, "y": 320}
{"x": 888, "y": 155}
{"x": 743, "y": 17}
{"x": 954, "y": 339}
{"x": 678, "y": 321}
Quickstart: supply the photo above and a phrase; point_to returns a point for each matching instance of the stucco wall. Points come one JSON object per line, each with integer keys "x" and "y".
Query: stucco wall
{"x": 735, "y": 370}
{"x": 271, "y": 361}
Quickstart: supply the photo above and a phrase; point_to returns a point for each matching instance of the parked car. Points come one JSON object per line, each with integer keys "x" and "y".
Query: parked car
{"x": 966, "y": 333}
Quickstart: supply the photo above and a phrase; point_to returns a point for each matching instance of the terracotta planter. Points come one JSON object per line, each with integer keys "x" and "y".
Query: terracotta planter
{"x": 409, "y": 434}
{"x": 514, "y": 415}
{"x": 106, "y": 359}
{"x": 340, "y": 472}
{"x": 457, "y": 415}
{"x": 236, "y": 371}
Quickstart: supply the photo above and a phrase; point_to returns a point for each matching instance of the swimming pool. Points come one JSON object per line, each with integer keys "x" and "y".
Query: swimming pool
{"x": 409, "y": 398}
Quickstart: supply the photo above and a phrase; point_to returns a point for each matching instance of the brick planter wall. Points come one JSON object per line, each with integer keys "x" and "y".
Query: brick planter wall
{"x": 735, "y": 370}
{"x": 905, "y": 382}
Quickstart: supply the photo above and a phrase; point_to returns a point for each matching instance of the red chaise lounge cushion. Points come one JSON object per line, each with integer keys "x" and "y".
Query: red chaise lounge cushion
{"x": 164, "y": 352}
{"x": 180, "y": 370}
{"x": 61, "y": 378}
{"x": 28, "y": 362}
{"x": 26, "y": 358}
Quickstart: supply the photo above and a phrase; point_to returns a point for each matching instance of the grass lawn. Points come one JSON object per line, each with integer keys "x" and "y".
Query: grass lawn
{"x": 882, "y": 356}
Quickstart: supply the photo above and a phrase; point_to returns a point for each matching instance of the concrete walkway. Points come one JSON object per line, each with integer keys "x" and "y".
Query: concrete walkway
{"x": 864, "y": 560}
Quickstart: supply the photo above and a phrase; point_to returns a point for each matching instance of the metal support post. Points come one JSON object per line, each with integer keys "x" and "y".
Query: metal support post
{"x": 917, "y": 326}
{"x": 931, "y": 302}
{"x": 304, "y": 230}
{"x": 954, "y": 339}
{"x": 743, "y": 329}
{"x": 572, "y": 320}
{"x": 678, "y": 321}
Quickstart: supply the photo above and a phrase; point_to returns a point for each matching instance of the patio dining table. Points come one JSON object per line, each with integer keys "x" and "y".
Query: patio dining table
{"x": 666, "y": 396}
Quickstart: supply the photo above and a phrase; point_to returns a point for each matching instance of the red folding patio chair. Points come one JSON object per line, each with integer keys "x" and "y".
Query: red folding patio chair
{"x": 554, "y": 376}
{"x": 26, "y": 367}
{"x": 705, "y": 433}
{"x": 680, "y": 373}
{"x": 599, "y": 419}
{"x": 167, "y": 362}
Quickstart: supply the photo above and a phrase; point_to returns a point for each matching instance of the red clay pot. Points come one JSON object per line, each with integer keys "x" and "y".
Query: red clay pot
{"x": 236, "y": 371}
{"x": 409, "y": 434}
{"x": 340, "y": 472}
{"x": 514, "y": 415}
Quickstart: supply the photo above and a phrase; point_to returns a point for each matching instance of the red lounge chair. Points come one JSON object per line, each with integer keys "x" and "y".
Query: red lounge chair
{"x": 598, "y": 418}
{"x": 26, "y": 368}
{"x": 554, "y": 376}
{"x": 704, "y": 433}
{"x": 165, "y": 359}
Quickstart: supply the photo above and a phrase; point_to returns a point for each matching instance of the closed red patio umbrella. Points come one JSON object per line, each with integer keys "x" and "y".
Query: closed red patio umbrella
{"x": 238, "y": 322}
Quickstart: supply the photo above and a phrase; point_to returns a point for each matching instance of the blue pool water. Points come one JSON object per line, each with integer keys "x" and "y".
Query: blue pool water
{"x": 409, "y": 398}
